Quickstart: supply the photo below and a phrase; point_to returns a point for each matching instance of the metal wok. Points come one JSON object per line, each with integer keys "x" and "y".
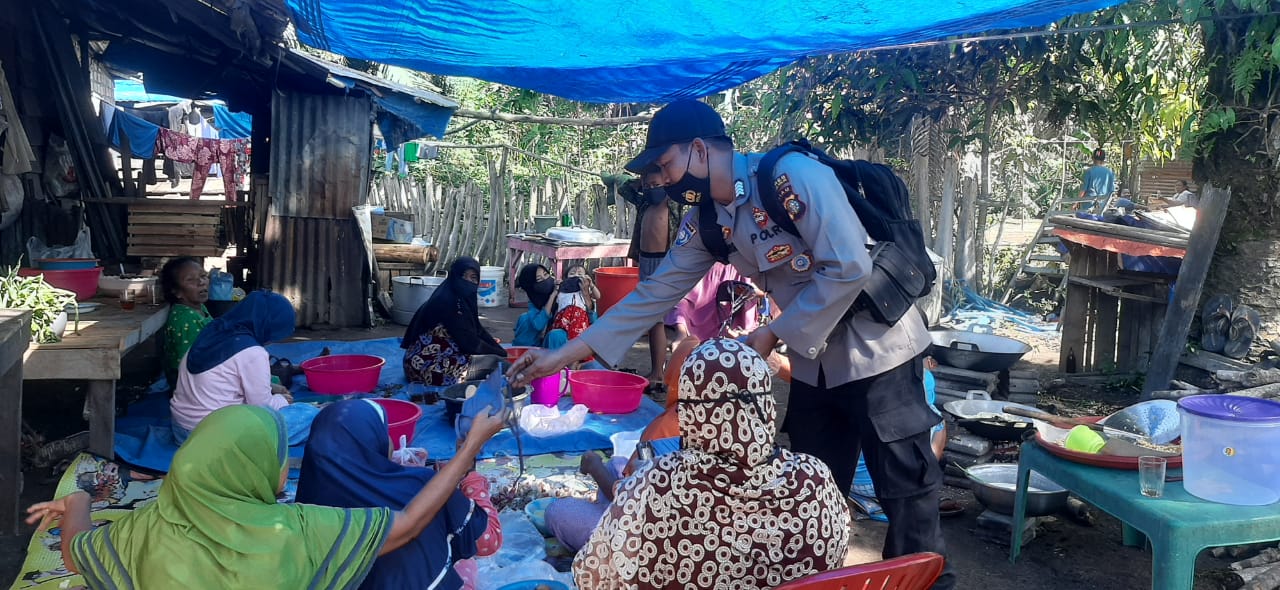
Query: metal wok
{"x": 987, "y": 353}
{"x": 986, "y": 418}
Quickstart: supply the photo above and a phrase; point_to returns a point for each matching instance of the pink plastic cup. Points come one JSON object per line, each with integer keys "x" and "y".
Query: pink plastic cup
{"x": 547, "y": 390}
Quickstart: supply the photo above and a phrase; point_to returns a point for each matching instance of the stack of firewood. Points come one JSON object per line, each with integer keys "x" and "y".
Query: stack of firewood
{"x": 1259, "y": 383}
{"x": 1260, "y": 572}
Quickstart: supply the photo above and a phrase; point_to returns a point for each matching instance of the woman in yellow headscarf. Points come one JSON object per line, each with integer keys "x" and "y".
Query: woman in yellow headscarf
{"x": 216, "y": 522}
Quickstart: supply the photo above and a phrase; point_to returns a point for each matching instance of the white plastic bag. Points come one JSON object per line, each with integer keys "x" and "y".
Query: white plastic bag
{"x": 81, "y": 248}
{"x": 541, "y": 421}
{"x": 409, "y": 456}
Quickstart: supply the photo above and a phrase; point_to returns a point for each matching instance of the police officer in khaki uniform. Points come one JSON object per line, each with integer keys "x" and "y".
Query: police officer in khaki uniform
{"x": 856, "y": 384}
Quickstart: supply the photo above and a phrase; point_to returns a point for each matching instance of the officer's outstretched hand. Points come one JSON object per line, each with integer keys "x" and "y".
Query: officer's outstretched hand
{"x": 763, "y": 340}
{"x": 541, "y": 362}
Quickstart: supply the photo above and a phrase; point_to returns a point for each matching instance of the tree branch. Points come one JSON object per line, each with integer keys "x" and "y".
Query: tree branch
{"x": 514, "y": 118}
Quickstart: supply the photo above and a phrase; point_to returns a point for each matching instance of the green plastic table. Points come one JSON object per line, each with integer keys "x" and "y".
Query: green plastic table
{"x": 1178, "y": 524}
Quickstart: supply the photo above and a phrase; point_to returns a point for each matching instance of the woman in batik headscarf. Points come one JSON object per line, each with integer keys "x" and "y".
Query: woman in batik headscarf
{"x": 731, "y": 509}
{"x": 216, "y": 522}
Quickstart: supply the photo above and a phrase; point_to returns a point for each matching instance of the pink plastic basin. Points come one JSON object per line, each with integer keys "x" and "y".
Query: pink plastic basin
{"x": 81, "y": 281}
{"x": 340, "y": 374}
{"x": 607, "y": 392}
{"x": 515, "y": 352}
{"x": 402, "y": 419}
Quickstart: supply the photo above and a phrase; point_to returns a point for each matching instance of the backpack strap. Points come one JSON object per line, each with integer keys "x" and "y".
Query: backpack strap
{"x": 765, "y": 183}
{"x": 712, "y": 234}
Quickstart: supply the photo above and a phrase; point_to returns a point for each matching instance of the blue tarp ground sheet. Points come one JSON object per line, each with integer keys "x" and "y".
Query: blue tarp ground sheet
{"x": 143, "y": 435}
{"x": 653, "y": 51}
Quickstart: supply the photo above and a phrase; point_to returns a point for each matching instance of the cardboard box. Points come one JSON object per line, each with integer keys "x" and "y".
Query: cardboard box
{"x": 392, "y": 227}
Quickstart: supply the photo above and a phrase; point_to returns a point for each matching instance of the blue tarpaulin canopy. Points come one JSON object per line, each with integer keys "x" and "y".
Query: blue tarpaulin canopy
{"x": 642, "y": 51}
{"x": 134, "y": 91}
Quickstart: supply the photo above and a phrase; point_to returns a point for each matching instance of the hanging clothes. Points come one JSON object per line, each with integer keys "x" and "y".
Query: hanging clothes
{"x": 178, "y": 122}
{"x": 141, "y": 133}
{"x": 232, "y": 125}
{"x": 202, "y": 153}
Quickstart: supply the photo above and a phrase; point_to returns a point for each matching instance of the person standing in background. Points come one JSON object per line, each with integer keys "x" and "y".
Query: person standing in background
{"x": 652, "y": 236}
{"x": 1099, "y": 182}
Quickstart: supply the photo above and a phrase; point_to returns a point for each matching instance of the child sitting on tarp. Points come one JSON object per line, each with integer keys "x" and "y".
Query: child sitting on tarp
{"x": 541, "y": 289}
{"x": 575, "y": 307}
{"x": 185, "y": 285}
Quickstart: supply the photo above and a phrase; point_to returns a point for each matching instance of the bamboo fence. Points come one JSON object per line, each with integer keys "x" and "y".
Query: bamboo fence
{"x": 471, "y": 220}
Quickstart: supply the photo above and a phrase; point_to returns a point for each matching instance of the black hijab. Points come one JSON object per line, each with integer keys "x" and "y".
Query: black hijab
{"x": 454, "y": 305}
{"x": 539, "y": 292}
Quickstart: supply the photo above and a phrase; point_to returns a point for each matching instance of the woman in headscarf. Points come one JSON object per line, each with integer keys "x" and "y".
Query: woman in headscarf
{"x": 445, "y": 332}
{"x": 216, "y": 522}
{"x": 228, "y": 363}
{"x": 347, "y": 465}
{"x": 538, "y": 284}
{"x": 731, "y": 509}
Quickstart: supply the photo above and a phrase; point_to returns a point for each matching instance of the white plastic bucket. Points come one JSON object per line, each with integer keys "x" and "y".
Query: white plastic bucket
{"x": 409, "y": 293}
{"x": 490, "y": 292}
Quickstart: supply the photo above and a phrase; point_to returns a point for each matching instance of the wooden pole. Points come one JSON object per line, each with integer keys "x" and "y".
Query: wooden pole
{"x": 965, "y": 239}
{"x": 1186, "y": 292}
{"x": 946, "y": 216}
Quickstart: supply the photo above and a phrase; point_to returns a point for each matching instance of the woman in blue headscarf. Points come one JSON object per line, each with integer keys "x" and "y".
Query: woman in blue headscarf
{"x": 346, "y": 465}
{"x": 446, "y": 332}
{"x": 228, "y": 364}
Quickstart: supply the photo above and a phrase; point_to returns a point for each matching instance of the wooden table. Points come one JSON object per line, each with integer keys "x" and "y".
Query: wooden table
{"x": 557, "y": 252}
{"x": 1178, "y": 524}
{"x": 92, "y": 350}
{"x": 15, "y": 334}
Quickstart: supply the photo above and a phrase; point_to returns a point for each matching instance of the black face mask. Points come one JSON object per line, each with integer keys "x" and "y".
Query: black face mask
{"x": 545, "y": 286}
{"x": 654, "y": 195}
{"x": 689, "y": 190}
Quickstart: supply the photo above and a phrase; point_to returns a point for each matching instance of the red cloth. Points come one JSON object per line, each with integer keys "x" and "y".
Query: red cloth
{"x": 476, "y": 487}
{"x": 1117, "y": 245}
{"x": 204, "y": 152}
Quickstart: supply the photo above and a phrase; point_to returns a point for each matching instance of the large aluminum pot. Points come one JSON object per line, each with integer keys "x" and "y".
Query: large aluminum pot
{"x": 409, "y": 293}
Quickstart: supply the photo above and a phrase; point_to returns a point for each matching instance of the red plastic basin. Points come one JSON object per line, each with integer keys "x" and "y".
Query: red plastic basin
{"x": 607, "y": 392}
{"x": 402, "y": 419}
{"x": 81, "y": 281}
{"x": 340, "y": 374}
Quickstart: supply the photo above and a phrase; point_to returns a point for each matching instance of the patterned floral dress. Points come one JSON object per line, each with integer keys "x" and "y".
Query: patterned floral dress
{"x": 435, "y": 359}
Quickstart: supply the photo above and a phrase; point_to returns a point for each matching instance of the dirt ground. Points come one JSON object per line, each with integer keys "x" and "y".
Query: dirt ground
{"x": 1065, "y": 555}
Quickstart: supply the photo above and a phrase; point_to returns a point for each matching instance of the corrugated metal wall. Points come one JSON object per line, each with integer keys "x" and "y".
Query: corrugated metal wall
{"x": 320, "y": 150}
{"x": 311, "y": 249}
{"x": 317, "y": 264}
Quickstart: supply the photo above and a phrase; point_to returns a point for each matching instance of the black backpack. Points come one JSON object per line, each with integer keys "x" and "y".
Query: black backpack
{"x": 902, "y": 270}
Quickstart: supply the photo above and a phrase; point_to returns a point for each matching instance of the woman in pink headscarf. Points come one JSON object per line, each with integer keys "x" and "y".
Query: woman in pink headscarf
{"x": 731, "y": 509}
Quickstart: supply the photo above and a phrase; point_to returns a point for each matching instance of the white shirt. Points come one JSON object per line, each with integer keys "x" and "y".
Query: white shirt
{"x": 245, "y": 378}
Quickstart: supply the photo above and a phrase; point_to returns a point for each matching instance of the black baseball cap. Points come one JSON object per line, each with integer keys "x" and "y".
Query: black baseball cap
{"x": 679, "y": 122}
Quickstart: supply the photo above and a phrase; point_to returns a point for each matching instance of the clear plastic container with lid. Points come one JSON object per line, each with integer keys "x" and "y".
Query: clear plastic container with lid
{"x": 1231, "y": 449}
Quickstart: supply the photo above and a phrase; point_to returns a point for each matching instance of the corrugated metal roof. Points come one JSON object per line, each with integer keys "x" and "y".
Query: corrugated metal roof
{"x": 379, "y": 85}
{"x": 317, "y": 264}
{"x": 320, "y": 148}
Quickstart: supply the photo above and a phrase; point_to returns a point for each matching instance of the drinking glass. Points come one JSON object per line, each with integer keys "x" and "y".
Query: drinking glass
{"x": 126, "y": 299}
{"x": 1151, "y": 476}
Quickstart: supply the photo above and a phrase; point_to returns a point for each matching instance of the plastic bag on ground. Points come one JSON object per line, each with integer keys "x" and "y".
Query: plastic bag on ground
{"x": 541, "y": 421}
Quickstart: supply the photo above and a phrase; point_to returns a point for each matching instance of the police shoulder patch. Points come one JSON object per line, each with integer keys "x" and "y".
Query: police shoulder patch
{"x": 778, "y": 253}
{"x": 687, "y": 229}
{"x": 794, "y": 206}
{"x": 802, "y": 263}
